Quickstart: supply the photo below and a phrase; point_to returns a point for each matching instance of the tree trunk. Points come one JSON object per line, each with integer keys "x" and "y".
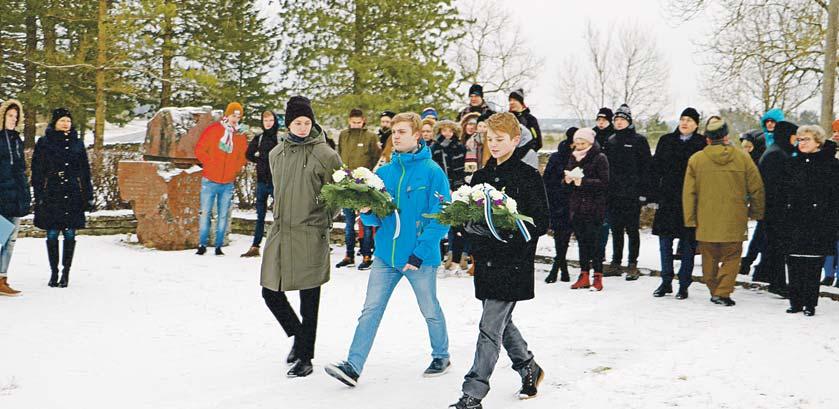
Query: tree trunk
{"x": 101, "y": 60}
{"x": 29, "y": 77}
{"x": 167, "y": 54}
{"x": 829, "y": 79}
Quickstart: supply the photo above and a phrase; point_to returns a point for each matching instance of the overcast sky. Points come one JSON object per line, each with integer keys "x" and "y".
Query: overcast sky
{"x": 554, "y": 29}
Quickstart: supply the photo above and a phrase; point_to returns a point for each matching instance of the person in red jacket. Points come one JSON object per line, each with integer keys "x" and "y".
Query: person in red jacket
{"x": 221, "y": 151}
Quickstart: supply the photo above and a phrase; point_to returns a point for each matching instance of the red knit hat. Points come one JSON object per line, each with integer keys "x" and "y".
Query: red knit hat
{"x": 835, "y": 126}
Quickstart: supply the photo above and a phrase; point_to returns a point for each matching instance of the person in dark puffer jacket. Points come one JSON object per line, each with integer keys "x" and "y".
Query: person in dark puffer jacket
{"x": 258, "y": 152}
{"x": 15, "y": 199}
{"x": 558, "y": 194}
{"x": 449, "y": 152}
{"x": 63, "y": 190}
{"x": 587, "y": 205}
{"x": 629, "y": 162}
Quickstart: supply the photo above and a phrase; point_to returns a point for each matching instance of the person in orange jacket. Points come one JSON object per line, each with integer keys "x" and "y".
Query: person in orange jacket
{"x": 221, "y": 151}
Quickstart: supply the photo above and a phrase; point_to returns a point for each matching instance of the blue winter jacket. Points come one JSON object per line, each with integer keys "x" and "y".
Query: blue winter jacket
{"x": 418, "y": 186}
{"x": 775, "y": 114}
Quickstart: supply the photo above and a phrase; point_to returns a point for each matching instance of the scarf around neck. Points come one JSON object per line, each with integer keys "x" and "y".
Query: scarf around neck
{"x": 226, "y": 142}
{"x": 580, "y": 155}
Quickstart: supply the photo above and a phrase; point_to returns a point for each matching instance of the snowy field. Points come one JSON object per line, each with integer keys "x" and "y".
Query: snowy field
{"x": 144, "y": 329}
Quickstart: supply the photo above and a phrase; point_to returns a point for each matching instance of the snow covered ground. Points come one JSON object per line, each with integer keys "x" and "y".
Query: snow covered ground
{"x": 145, "y": 329}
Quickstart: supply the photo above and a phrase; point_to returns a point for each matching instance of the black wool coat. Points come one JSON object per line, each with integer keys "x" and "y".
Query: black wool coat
{"x": 810, "y": 196}
{"x": 15, "y": 199}
{"x": 771, "y": 168}
{"x": 668, "y": 170}
{"x": 61, "y": 181}
{"x": 505, "y": 271}
{"x": 588, "y": 201}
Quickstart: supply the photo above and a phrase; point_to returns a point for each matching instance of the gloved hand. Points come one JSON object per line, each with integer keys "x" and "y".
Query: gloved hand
{"x": 477, "y": 229}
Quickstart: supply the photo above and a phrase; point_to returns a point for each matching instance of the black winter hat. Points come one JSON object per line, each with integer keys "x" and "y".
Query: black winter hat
{"x": 570, "y": 132}
{"x": 389, "y": 114}
{"x": 476, "y": 89}
{"x": 58, "y": 114}
{"x": 783, "y": 132}
{"x": 605, "y": 113}
{"x": 625, "y": 113}
{"x": 691, "y": 113}
{"x": 518, "y": 95}
{"x": 296, "y": 107}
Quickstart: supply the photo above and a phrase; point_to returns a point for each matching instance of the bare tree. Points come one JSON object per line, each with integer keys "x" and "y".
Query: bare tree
{"x": 492, "y": 51}
{"x": 621, "y": 65}
{"x": 766, "y": 53}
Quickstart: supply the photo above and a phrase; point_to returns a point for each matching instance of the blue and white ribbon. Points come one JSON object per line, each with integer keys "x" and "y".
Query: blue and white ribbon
{"x": 491, "y": 225}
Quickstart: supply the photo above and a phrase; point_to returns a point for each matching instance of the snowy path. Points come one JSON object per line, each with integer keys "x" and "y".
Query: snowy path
{"x": 143, "y": 329}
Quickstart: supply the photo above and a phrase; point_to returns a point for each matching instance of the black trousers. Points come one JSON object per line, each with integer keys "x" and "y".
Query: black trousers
{"x": 561, "y": 239}
{"x": 625, "y": 218}
{"x": 304, "y": 333}
{"x": 587, "y": 233}
{"x": 774, "y": 253}
{"x": 804, "y": 275}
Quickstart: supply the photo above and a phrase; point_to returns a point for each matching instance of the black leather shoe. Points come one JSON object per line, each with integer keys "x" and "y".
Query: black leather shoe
{"x": 810, "y": 311}
{"x": 301, "y": 368}
{"x": 663, "y": 289}
{"x": 794, "y": 310}
{"x": 682, "y": 294}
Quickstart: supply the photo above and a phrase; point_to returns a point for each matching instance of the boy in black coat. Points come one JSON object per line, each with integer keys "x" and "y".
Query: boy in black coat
{"x": 504, "y": 271}
{"x": 257, "y": 152}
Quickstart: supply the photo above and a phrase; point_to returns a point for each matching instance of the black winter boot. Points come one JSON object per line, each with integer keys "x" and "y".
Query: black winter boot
{"x": 67, "y": 261}
{"x": 52, "y": 253}
{"x": 552, "y": 275}
{"x": 563, "y": 268}
{"x": 663, "y": 289}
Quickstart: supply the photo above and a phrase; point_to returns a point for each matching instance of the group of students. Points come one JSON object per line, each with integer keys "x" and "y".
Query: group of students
{"x": 296, "y": 254}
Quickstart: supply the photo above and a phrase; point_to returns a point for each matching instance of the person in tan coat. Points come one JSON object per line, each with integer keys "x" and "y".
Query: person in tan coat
{"x": 722, "y": 191}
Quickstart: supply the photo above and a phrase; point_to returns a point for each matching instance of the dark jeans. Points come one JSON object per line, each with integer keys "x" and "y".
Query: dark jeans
{"x": 69, "y": 234}
{"x": 625, "y": 219}
{"x": 605, "y": 228}
{"x": 588, "y": 237}
{"x": 263, "y": 191}
{"x": 804, "y": 275}
{"x": 757, "y": 246}
{"x": 350, "y": 234}
{"x": 687, "y": 248}
{"x": 304, "y": 333}
{"x": 496, "y": 329}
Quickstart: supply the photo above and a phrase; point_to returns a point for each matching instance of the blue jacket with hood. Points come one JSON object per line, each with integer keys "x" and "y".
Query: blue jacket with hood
{"x": 418, "y": 186}
{"x": 775, "y": 114}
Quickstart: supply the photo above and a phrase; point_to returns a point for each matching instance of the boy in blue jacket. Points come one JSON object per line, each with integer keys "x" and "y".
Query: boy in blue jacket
{"x": 407, "y": 245}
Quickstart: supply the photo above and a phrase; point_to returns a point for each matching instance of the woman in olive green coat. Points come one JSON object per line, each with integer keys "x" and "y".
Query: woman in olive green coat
{"x": 297, "y": 251}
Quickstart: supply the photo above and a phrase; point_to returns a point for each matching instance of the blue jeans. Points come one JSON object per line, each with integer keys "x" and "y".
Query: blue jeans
{"x": 9, "y": 248}
{"x": 831, "y": 264}
{"x": 604, "y": 237}
{"x": 380, "y": 285}
{"x": 263, "y": 190}
{"x": 69, "y": 234}
{"x": 220, "y": 195}
{"x": 688, "y": 250}
{"x": 349, "y": 235}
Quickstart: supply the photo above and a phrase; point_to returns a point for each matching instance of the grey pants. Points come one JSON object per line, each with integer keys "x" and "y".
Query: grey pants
{"x": 496, "y": 329}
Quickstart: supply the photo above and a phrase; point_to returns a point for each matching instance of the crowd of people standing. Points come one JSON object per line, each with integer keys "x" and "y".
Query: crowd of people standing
{"x": 703, "y": 187}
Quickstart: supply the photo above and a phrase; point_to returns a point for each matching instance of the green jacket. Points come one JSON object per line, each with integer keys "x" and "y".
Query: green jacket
{"x": 722, "y": 190}
{"x": 359, "y": 148}
{"x": 296, "y": 254}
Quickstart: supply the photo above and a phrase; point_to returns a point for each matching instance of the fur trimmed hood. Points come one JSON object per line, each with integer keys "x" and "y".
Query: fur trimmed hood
{"x": 5, "y": 107}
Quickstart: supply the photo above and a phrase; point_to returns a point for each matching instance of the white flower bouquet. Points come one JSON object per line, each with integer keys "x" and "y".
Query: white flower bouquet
{"x": 357, "y": 189}
{"x": 474, "y": 203}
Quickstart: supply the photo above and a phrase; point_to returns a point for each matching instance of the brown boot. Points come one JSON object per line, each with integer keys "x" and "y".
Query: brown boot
{"x": 464, "y": 263}
{"x": 448, "y": 263}
{"x": 252, "y": 252}
{"x": 471, "y": 266}
{"x": 7, "y": 291}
